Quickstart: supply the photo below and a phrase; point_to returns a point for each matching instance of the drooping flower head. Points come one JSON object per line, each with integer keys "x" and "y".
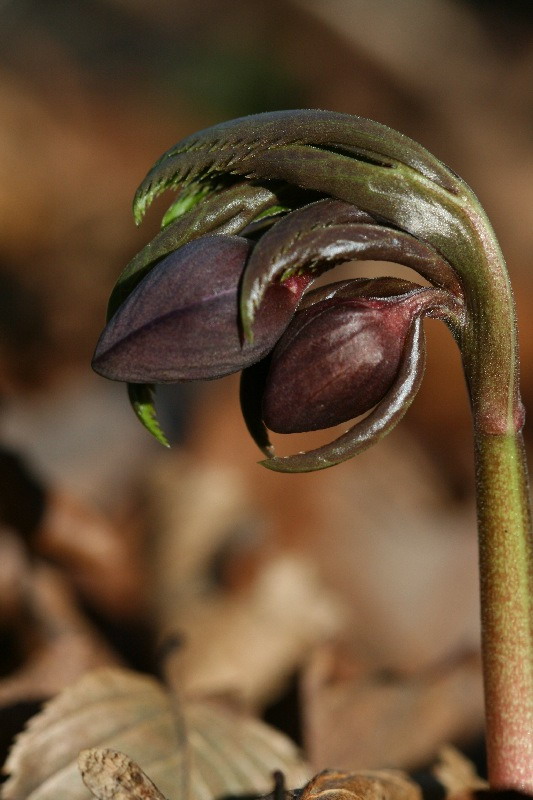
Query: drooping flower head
{"x": 265, "y": 205}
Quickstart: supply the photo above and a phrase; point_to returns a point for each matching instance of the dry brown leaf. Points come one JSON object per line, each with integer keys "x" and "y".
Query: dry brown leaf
{"x": 360, "y": 719}
{"x": 61, "y": 644}
{"x": 456, "y": 773}
{"x": 272, "y": 617}
{"x": 272, "y": 625}
{"x": 102, "y": 559}
{"x": 202, "y": 745}
{"x": 111, "y": 775}
{"x": 365, "y": 785}
{"x": 382, "y": 530}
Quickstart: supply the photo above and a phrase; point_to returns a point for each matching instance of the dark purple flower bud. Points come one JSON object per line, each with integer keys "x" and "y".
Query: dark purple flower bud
{"x": 336, "y": 361}
{"x": 182, "y": 323}
{"x": 353, "y": 347}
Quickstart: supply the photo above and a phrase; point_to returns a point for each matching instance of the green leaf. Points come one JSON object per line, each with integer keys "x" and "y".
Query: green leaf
{"x": 188, "y": 199}
{"x": 225, "y": 148}
{"x": 227, "y": 211}
{"x": 141, "y": 396}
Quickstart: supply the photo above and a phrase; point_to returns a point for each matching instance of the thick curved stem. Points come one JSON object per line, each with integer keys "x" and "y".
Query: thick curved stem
{"x": 506, "y": 572}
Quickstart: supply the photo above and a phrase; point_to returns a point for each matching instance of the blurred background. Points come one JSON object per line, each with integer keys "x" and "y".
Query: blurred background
{"x": 350, "y": 596}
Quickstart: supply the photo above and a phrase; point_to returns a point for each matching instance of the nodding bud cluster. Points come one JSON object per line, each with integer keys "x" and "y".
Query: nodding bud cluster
{"x": 267, "y": 204}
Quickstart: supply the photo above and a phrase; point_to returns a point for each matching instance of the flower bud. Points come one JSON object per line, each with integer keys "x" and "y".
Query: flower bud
{"x": 337, "y": 360}
{"x": 182, "y": 323}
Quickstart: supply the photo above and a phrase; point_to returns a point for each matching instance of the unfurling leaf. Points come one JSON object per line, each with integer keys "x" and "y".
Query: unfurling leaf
{"x": 321, "y": 235}
{"x": 226, "y": 212}
{"x": 306, "y": 191}
{"x": 314, "y": 146}
{"x": 382, "y": 419}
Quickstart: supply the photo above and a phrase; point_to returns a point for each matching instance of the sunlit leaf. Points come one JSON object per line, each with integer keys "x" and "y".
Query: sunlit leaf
{"x": 141, "y": 396}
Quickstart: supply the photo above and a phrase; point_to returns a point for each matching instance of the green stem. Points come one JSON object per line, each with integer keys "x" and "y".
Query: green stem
{"x": 506, "y": 572}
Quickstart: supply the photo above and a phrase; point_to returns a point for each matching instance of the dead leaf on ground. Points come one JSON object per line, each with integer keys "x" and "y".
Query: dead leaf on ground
{"x": 111, "y": 775}
{"x": 357, "y": 718}
{"x": 199, "y": 745}
{"x": 456, "y": 773}
{"x": 365, "y": 785}
{"x": 250, "y": 642}
{"x": 60, "y": 642}
{"x": 386, "y": 537}
{"x": 102, "y": 558}
{"x": 271, "y": 615}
